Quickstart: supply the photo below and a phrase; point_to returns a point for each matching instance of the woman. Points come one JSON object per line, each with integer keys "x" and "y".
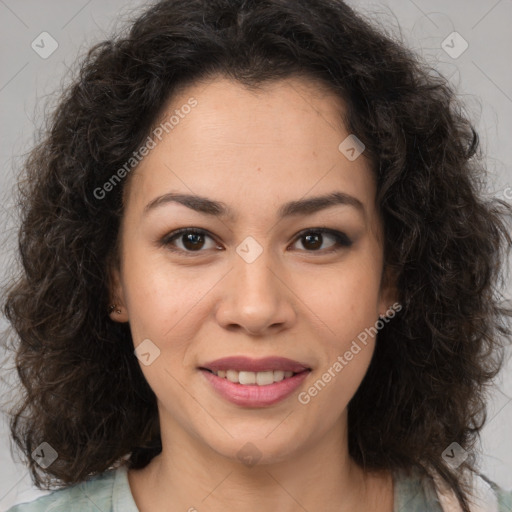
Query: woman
{"x": 258, "y": 273}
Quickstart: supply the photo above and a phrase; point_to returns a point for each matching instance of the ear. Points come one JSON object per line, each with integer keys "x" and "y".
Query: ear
{"x": 119, "y": 313}
{"x": 389, "y": 294}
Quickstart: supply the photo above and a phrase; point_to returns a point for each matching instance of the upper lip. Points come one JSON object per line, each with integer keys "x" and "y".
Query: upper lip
{"x": 248, "y": 364}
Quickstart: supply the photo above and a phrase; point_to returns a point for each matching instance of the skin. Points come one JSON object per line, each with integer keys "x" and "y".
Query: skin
{"x": 253, "y": 151}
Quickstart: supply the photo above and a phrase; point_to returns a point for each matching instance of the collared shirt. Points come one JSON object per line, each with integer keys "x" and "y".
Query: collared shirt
{"x": 110, "y": 492}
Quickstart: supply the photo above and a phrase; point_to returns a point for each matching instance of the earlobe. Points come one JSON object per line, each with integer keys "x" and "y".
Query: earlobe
{"x": 118, "y": 313}
{"x": 117, "y": 309}
{"x": 114, "y": 307}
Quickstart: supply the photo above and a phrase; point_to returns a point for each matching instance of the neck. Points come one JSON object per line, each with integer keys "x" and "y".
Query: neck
{"x": 189, "y": 476}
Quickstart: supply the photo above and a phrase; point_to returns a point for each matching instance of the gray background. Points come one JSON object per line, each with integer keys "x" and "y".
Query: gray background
{"x": 482, "y": 75}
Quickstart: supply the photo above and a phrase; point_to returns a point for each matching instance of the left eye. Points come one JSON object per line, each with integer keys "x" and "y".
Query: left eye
{"x": 315, "y": 238}
{"x": 193, "y": 239}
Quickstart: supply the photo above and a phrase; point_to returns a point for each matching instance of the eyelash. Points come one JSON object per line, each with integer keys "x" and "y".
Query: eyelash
{"x": 342, "y": 240}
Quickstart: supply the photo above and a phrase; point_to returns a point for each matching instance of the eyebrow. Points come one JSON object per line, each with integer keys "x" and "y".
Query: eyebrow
{"x": 293, "y": 208}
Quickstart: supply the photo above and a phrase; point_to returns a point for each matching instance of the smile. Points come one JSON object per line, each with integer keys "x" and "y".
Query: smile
{"x": 254, "y": 378}
{"x": 250, "y": 382}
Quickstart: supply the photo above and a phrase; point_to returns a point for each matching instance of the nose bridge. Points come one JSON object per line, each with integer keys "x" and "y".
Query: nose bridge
{"x": 254, "y": 269}
{"x": 256, "y": 298}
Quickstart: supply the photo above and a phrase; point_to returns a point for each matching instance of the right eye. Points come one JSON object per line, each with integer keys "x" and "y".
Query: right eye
{"x": 192, "y": 240}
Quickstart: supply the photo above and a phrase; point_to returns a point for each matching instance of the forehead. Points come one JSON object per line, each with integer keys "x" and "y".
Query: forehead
{"x": 296, "y": 110}
{"x": 258, "y": 148}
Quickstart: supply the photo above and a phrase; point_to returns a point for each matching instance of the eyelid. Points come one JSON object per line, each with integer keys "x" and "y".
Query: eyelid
{"x": 343, "y": 241}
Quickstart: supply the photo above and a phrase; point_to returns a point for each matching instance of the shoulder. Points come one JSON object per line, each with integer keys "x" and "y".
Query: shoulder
{"x": 503, "y": 498}
{"x": 417, "y": 491}
{"x": 89, "y": 496}
{"x": 414, "y": 491}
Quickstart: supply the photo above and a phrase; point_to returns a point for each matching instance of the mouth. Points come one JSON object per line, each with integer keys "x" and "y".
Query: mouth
{"x": 246, "y": 378}
{"x": 254, "y": 382}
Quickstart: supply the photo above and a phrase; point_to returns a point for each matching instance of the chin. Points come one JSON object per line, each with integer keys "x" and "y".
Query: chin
{"x": 251, "y": 450}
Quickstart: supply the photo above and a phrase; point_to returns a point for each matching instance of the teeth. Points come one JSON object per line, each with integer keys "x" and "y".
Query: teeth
{"x": 232, "y": 375}
{"x": 278, "y": 375}
{"x": 252, "y": 378}
{"x": 264, "y": 378}
{"x": 248, "y": 377}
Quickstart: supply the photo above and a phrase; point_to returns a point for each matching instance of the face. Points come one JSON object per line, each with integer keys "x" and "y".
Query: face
{"x": 248, "y": 277}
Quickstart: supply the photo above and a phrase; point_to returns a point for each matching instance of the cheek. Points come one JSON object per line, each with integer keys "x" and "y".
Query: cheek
{"x": 337, "y": 380}
{"x": 167, "y": 304}
{"x": 156, "y": 297}
{"x": 350, "y": 311}
{"x": 346, "y": 299}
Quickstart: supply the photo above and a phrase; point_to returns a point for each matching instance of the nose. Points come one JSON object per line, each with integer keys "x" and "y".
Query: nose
{"x": 256, "y": 297}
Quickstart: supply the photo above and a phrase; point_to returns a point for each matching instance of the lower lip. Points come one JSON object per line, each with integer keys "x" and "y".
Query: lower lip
{"x": 253, "y": 395}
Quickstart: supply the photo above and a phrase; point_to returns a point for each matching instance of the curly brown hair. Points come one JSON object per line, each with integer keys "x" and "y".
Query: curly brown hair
{"x": 84, "y": 392}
